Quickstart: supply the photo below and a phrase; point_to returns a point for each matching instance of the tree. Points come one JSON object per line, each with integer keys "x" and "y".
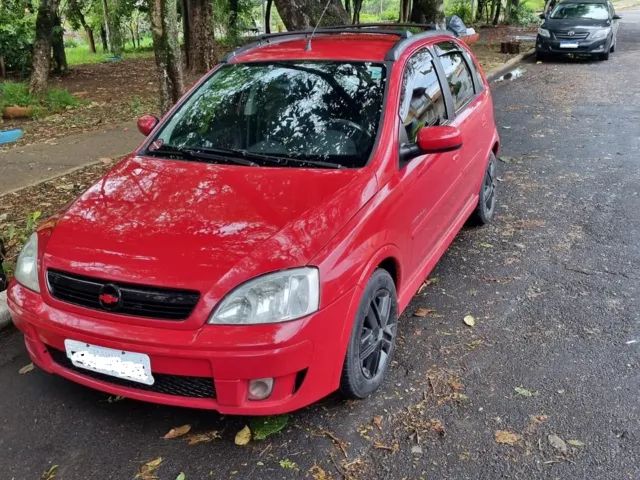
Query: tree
{"x": 198, "y": 35}
{"x": 77, "y": 19}
{"x": 164, "y": 30}
{"x": 428, "y": 11}
{"x": 42, "y": 46}
{"x": 304, "y": 14}
{"x": 57, "y": 42}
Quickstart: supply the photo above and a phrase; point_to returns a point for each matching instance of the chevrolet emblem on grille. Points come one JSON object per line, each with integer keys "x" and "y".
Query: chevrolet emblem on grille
{"x": 110, "y": 297}
{"x": 571, "y": 33}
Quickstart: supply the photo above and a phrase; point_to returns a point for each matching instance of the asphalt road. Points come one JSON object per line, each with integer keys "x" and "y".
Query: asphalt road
{"x": 553, "y": 286}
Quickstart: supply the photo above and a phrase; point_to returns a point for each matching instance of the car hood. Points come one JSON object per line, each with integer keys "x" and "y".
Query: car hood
{"x": 200, "y": 226}
{"x": 561, "y": 25}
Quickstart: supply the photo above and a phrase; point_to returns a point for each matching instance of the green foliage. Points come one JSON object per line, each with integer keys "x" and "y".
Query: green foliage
{"x": 14, "y": 237}
{"x": 17, "y": 30}
{"x": 461, "y": 8}
{"x": 54, "y": 100}
{"x": 262, "y": 427}
{"x": 524, "y": 14}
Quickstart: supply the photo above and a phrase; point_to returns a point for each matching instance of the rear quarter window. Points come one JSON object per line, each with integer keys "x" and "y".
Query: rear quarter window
{"x": 459, "y": 78}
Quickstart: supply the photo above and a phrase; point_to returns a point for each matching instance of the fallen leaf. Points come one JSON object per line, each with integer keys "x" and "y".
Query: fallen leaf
{"x": 422, "y": 312}
{"x": 114, "y": 399}
{"x": 506, "y": 437}
{"x": 575, "y": 443}
{"x": 26, "y": 369}
{"x": 50, "y": 474}
{"x": 148, "y": 470}
{"x": 486, "y": 245}
{"x": 288, "y": 464}
{"x": 377, "y": 421}
{"x": 469, "y": 320}
{"x": 243, "y": 436}
{"x": 203, "y": 437}
{"x": 556, "y": 442}
{"x": 524, "y": 392}
{"x": 262, "y": 427}
{"x": 437, "y": 426}
{"x": 181, "y": 476}
{"x": 317, "y": 473}
{"x": 177, "y": 432}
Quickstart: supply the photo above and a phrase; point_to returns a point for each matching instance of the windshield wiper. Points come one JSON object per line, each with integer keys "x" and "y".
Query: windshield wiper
{"x": 285, "y": 160}
{"x": 203, "y": 154}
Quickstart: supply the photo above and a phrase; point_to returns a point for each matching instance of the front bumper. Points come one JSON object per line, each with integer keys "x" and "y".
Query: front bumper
{"x": 208, "y": 368}
{"x": 552, "y": 45}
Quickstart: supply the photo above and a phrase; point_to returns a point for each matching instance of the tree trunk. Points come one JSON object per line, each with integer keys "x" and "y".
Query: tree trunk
{"x": 57, "y": 42}
{"x": 164, "y": 29}
{"x": 357, "y": 7}
{"x": 496, "y": 17}
{"x": 186, "y": 34}
{"x": 267, "y": 17}
{"x": 405, "y": 6}
{"x": 103, "y": 38}
{"x": 107, "y": 26}
{"x": 92, "y": 41}
{"x": 428, "y": 11}
{"x": 304, "y": 14}
{"x": 42, "y": 47}
{"x": 232, "y": 26}
{"x": 201, "y": 51}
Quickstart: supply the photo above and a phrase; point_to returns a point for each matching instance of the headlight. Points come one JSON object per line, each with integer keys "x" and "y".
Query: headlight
{"x": 27, "y": 266}
{"x": 543, "y": 32}
{"x": 272, "y": 298}
{"x": 600, "y": 34}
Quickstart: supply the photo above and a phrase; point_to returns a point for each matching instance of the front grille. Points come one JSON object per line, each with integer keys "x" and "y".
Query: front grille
{"x": 575, "y": 36}
{"x": 177, "y": 385}
{"x": 143, "y": 301}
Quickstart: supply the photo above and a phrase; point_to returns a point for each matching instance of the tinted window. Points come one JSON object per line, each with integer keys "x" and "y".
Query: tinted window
{"x": 422, "y": 102}
{"x": 323, "y": 111}
{"x": 458, "y": 77}
{"x": 592, "y": 11}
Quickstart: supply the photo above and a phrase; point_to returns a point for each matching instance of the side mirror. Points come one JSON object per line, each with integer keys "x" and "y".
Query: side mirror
{"x": 146, "y": 124}
{"x": 442, "y": 138}
{"x": 616, "y": 17}
{"x": 542, "y": 16}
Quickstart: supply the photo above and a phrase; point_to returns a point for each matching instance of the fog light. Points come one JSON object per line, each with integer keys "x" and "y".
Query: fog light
{"x": 260, "y": 388}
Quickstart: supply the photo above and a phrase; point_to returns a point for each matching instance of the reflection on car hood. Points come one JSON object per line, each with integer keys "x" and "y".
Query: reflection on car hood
{"x": 203, "y": 226}
{"x": 572, "y": 23}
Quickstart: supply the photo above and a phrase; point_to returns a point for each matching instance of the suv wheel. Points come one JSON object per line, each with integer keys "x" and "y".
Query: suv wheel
{"x": 373, "y": 338}
{"x": 486, "y": 208}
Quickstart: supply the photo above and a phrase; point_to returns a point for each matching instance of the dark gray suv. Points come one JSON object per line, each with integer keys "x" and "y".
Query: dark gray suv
{"x": 579, "y": 27}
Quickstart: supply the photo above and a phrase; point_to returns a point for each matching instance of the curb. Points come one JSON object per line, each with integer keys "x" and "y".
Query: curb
{"x": 502, "y": 69}
{"x": 5, "y": 317}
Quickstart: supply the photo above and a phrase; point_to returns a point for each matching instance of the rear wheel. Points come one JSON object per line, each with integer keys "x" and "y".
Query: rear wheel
{"x": 486, "y": 208}
{"x": 373, "y": 338}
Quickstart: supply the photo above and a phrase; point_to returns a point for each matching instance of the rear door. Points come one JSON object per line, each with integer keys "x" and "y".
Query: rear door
{"x": 473, "y": 115}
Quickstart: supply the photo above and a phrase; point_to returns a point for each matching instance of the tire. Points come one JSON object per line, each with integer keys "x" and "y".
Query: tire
{"x": 486, "y": 208}
{"x": 604, "y": 56}
{"x": 613, "y": 48}
{"x": 373, "y": 338}
{"x": 541, "y": 56}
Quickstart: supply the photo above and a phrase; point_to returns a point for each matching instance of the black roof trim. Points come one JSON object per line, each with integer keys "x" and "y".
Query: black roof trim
{"x": 402, "y": 45}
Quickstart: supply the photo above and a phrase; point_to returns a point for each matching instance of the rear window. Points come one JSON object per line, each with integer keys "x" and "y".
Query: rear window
{"x": 458, "y": 77}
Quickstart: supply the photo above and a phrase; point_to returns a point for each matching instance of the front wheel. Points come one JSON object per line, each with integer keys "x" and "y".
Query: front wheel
{"x": 486, "y": 208}
{"x": 373, "y": 338}
{"x": 604, "y": 56}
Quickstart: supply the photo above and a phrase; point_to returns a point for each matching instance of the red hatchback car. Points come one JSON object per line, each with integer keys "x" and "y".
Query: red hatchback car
{"x": 254, "y": 253}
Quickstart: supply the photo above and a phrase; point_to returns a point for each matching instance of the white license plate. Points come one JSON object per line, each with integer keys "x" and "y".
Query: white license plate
{"x": 127, "y": 365}
{"x": 569, "y": 45}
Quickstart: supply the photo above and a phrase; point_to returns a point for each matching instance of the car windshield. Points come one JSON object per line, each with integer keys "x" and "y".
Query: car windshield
{"x": 281, "y": 114}
{"x": 590, "y": 11}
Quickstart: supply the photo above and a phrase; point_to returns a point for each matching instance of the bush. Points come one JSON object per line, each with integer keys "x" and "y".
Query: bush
{"x": 55, "y": 100}
{"x": 17, "y": 27}
{"x": 461, "y": 8}
{"x": 524, "y": 15}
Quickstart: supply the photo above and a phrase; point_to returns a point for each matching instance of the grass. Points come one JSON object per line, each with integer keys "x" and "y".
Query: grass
{"x": 81, "y": 55}
{"x": 535, "y": 5}
{"x": 54, "y": 100}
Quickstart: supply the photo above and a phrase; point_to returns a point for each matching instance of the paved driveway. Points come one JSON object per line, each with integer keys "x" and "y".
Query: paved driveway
{"x": 553, "y": 285}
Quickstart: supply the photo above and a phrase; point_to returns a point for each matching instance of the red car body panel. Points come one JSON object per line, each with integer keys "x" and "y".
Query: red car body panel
{"x": 210, "y": 228}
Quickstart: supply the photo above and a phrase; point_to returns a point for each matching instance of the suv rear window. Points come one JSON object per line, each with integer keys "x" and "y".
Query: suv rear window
{"x": 301, "y": 110}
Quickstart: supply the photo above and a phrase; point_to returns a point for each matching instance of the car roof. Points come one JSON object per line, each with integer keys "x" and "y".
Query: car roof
{"x": 372, "y": 45}
{"x": 603, "y": 2}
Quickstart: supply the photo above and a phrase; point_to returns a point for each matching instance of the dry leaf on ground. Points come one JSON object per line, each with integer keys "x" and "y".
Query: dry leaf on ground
{"x": 177, "y": 431}
{"x": 243, "y": 436}
{"x": 506, "y": 437}
{"x": 318, "y": 473}
{"x": 148, "y": 470}
{"x": 469, "y": 320}
{"x": 50, "y": 474}
{"x": 423, "y": 312}
{"x": 377, "y": 421}
{"x": 26, "y": 369}
{"x": 205, "y": 437}
{"x": 556, "y": 442}
{"x": 575, "y": 443}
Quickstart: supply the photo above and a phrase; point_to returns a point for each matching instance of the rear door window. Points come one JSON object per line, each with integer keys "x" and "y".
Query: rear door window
{"x": 459, "y": 78}
{"x": 422, "y": 101}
